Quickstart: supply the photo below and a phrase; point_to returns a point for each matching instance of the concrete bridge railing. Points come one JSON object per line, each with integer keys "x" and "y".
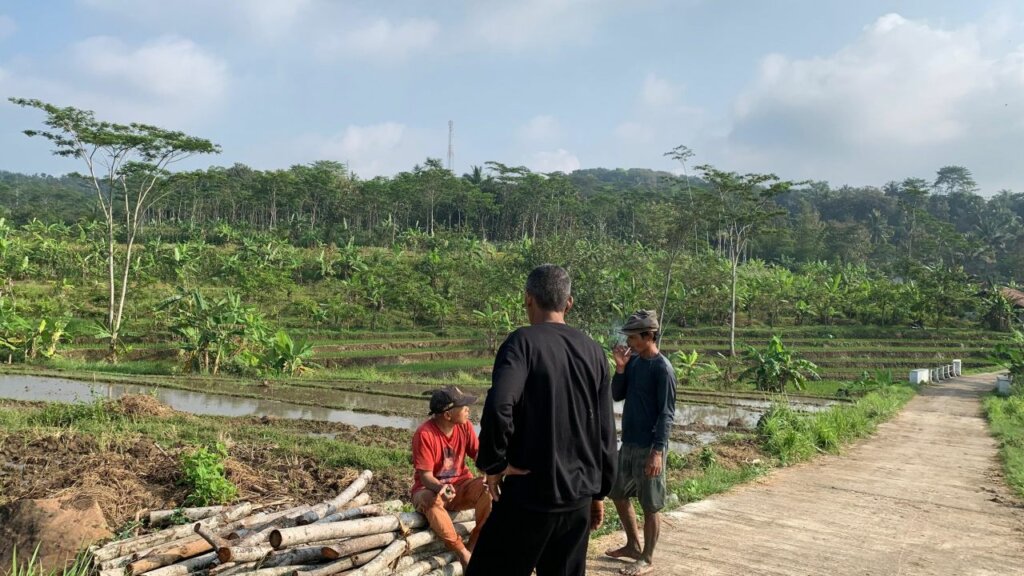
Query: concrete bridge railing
{"x": 937, "y": 373}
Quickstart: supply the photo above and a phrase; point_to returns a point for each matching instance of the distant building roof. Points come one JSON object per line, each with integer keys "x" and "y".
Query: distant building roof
{"x": 1014, "y": 296}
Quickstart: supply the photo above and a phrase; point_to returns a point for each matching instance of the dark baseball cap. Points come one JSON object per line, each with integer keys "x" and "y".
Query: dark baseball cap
{"x": 641, "y": 321}
{"x": 449, "y": 397}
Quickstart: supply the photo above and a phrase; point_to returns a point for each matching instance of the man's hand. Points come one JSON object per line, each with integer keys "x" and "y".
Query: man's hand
{"x": 447, "y": 494}
{"x": 493, "y": 481}
{"x": 654, "y": 464}
{"x": 596, "y": 514}
{"x": 621, "y": 355}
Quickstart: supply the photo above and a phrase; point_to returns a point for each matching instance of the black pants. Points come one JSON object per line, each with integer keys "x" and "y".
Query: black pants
{"x": 514, "y": 541}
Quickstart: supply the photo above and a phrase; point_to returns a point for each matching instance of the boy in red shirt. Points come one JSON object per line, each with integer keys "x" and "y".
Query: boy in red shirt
{"x": 442, "y": 482}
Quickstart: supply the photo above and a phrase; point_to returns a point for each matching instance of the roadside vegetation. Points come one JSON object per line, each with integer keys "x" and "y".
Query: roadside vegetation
{"x": 1006, "y": 414}
{"x": 1006, "y": 418}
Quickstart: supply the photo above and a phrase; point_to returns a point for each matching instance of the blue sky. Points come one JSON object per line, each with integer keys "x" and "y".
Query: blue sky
{"x": 855, "y": 93}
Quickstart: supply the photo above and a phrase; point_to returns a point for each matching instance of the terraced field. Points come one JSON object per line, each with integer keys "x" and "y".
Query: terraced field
{"x": 405, "y": 364}
{"x": 843, "y": 353}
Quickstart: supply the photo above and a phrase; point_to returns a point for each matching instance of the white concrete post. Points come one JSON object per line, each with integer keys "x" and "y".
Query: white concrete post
{"x": 1003, "y": 384}
{"x": 919, "y": 376}
{"x": 957, "y": 368}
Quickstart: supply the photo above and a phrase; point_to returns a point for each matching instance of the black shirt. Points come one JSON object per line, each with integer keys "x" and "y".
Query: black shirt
{"x": 549, "y": 411}
{"x": 648, "y": 385}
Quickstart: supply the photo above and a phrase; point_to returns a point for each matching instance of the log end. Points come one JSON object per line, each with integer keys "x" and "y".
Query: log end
{"x": 329, "y": 553}
{"x": 307, "y": 518}
{"x": 224, "y": 555}
{"x": 276, "y": 539}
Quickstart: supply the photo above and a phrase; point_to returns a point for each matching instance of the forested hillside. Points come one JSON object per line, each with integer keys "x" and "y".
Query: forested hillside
{"x": 942, "y": 222}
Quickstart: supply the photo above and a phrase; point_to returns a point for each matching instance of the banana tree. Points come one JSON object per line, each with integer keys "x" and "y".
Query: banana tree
{"x": 287, "y": 356}
{"x": 776, "y": 367}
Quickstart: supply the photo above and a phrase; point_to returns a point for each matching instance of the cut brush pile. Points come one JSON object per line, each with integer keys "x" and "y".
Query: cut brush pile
{"x": 347, "y": 534}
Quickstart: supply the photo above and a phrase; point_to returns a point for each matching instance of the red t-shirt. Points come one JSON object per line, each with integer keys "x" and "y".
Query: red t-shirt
{"x": 444, "y": 456}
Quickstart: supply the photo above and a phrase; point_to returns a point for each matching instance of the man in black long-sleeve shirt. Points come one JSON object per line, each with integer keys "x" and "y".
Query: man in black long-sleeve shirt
{"x": 647, "y": 383}
{"x": 547, "y": 441}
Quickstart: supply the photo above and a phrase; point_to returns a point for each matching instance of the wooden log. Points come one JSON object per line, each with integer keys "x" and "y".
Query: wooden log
{"x": 185, "y": 566}
{"x": 119, "y": 562}
{"x": 237, "y": 534}
{"x": 351, "y": 528}
{"x": 159, "y": 517}
{"x": 360, "y": 544}
{"x": 170, "y": 555}
{"x": 243, "y": 553}
{"x": 204, "y": 533}
{"x": 112, "y": 572}
{"x": 389, "y": 507}
{"x": 427, "y": 564}
{"x": 238, "y": 568}
{"x": 381, "y": 564}
{"x": 294, "y": 556}
{"x": 340, "y": 565}
{"x": 427, "y": 551}
{"x": 345, "y": 511}
{"x": 333, "y": 505}
{"x": 221, "y": 568}
{"x": 453, "y": 569}
{"x": 262, "y": 532}
{"x": 280, "y": 570}
{"x": 130, "y": 545}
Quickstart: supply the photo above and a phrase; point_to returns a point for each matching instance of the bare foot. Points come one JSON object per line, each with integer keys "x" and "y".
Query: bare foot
{"x": 624, "y": 552}
{"x": 638, "y": 568}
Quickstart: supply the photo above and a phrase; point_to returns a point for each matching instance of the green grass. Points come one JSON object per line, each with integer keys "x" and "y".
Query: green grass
{"x": 1006, "y": 419}
{"x": 792, "y": 437}
{"x": 80, "y": 567}
{"x": 714, "y": 480}
{"x": 133, "y": 367}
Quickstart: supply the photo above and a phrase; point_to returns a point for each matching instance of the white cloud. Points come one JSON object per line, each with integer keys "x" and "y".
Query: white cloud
{"x": 7, "y": 26}
{"x": 531, "y": 24}
{"x": 382, "y": 39}
{"x": 658, "y": 92}
{"x": 543, "y": 129}
{"x": 634, "y": 133}
{"x": 168, "y": 81}
{"x": 258, "y": 18}
{"x": 170, "y": 67}
{"x": 274, "y": 17}
{"x": 902, "y": 100}
{"x": 557, "y": 161}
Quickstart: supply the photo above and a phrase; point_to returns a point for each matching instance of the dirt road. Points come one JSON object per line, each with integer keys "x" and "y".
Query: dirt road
{"x": 923, "y": 496}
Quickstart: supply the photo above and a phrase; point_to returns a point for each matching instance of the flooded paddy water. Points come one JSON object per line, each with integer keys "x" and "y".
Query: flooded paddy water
{"x": 700, "y": 419}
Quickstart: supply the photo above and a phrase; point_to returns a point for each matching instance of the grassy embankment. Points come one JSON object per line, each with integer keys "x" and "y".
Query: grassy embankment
{"x": 1006, "y": 419}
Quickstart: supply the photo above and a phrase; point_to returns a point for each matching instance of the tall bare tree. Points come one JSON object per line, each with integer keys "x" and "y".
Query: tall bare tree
{"x": 744, "y": 206}
{"x": 126, "y": 165}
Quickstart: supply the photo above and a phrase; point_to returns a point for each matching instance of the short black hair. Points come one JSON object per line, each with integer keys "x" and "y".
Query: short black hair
{"x": 550, "y": 287}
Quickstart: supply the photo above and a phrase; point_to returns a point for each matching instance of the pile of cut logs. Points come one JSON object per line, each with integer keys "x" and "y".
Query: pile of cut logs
{"x": 345, "y": 535}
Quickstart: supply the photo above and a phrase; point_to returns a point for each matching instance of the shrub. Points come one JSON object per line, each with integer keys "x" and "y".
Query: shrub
{"x": 204, "y": 475}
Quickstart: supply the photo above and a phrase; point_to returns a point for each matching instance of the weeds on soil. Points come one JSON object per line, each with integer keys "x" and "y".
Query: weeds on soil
{"x": 1006, "y": 418}
{"x": 203, "y": 472}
